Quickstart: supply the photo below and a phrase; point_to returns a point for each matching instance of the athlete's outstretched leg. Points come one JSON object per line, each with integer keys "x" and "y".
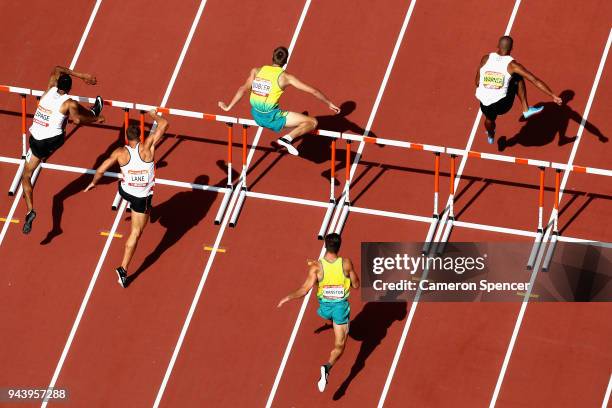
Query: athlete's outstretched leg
{"x": 139, "y": 221}
{"x": 340, "y": 334}
{"x": 521, "y": 92}
{"x": 302, "y": 124}
{"x": 28, "y": 191}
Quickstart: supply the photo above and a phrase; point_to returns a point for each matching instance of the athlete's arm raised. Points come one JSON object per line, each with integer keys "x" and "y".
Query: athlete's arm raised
{"x": 347, "y": 265}
{"x": 79, "y": 115}
{"x": 58, "y": 70}
{"x": 161, "y": 128}
{"x": 106, "y": 164}
{"x": 516, "y": 68}
{"x": 311, "y": 279}
{"x": 240, "y": 92}
{"x": 288, "y": 79}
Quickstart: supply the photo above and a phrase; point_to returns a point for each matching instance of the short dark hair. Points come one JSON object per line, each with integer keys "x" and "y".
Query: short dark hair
{"x": 133, "y": 132}
{"x": 505, "y": 43}
{"x": 64, "y": 83}
{"x": 333, "y": 242}
{"x": 280, "y": 56}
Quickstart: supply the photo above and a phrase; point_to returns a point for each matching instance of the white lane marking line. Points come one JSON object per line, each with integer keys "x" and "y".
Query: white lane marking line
{"x": 213, "y": 253}
{"x": 606, "y": 399}
{"x": 102, "y": 258}
{"x": 379, "y": 95}
{"x": 75, "y": 58}
{"x": 92, "y": 17}
{"x": 402, "y": 341}
{"x": 519, "y": 320}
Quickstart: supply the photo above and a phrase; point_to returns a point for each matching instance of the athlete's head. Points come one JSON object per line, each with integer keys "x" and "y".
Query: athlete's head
{"x": 505, "y": 43}
{"x": 133, "y": 133}
{"x": 333, "y": 242}
{"x": 64, "y": 83}
{"x": 280, "y": 56}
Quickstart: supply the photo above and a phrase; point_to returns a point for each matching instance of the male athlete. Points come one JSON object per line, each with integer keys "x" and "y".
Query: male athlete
{"x": 49, "y": 127}
{"x": 498, "y": 78}
{"x": 267, "y": 85}
{"x": 137, "y": 161}
{"x": 335, "y": 276}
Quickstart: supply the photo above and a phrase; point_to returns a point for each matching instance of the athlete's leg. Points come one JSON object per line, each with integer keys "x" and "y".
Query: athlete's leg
{"x": 26, "y": 180}
{"x": 521, "y": 92}
{"x": 301, "y": 123}
{"x": 490, "y": 126}
{"x": 139, "y": 221}
{"x": 340, "y": 334}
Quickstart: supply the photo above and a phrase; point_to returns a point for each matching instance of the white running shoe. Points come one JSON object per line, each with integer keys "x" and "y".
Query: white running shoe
{"x": 323, "y": 380}
{"x": 287, "y": 145}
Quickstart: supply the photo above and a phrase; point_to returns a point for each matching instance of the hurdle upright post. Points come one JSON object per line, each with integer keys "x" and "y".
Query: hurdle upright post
{"x": 347, "y": 187}
{"x": 19, "y": 173}
{"x": 436, "y": 215}
{"x": 555, "y": 233}
{"x": 540, "y": 232}
{"x": 332, "y": 198}
{"x": 142, "y": 123}
{"x": 243, "y": 183}
{"x": 230, "y": 187}
{"x": 126, "y": 122}
{"x": 451, "y": 210}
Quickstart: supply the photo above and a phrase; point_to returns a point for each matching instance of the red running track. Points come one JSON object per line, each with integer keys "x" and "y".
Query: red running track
{"x": 235, "y": 342}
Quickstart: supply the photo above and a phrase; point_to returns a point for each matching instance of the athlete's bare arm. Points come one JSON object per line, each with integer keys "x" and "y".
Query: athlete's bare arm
{"x": 106, "y": 164}
{"x": 311, "y": 279}
{"x": 349, "y": 271}
{"x": 58, "y": 70}
{"x": 287, "y": 79}
{"x": 240, "y": 92}
{"x": 482, "y": 62}
{"x": 155, "y": 137}
{"x": 516, "y": 68}
{"x": 78, "y": 114}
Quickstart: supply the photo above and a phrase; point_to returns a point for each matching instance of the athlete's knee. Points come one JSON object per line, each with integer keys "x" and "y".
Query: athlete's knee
{"x": 313, "y": 122}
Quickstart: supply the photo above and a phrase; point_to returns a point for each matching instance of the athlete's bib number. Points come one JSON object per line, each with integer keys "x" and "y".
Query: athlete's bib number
{"x": 493, "y": 80}
{"x": 137, "y": 178}
{"x": 42, "y": 116}
{"x": 333, "y": 292}
{"x": 261, "y": 87}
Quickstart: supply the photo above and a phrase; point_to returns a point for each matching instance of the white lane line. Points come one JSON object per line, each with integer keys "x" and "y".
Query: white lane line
{"x": 381, "y": 90}
{"x": 102, "y": 258}
{"x": 222, "y": 228}
{"x": 606, "y": 399}
{"x": 75, "y": 58}
{"x": 92, "y": 17}
{"x": 413, "y": 307}
{"x": 519, "y": 320}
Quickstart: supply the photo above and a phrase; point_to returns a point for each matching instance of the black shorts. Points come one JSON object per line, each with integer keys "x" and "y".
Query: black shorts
{"x": 44, "y": 148}
{"x": 137, "y": 204}
{"x": 504, "y": 105}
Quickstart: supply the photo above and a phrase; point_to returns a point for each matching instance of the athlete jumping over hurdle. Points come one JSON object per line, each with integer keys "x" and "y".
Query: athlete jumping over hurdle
{"x": 498, "y": 78}
{"x": 48, "y": 128}
{"x": 335, "y": 276}
{"x": 267, "y": 85}
{"x": 137, "y": 161}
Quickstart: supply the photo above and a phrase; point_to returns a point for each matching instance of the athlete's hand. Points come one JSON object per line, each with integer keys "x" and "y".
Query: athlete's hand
{"x": 283, "y": 301}
{"x": 223, "y": 106}
{"x": 89, "y": 187}
{"x": 153, "y": 113}
{"x": 334, "y": 108}
{"x": 89, "y": 79}
{"x": 557, "y": 100}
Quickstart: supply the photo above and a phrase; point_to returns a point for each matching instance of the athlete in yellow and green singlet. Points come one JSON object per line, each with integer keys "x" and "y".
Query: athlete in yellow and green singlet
{"x": 334, "y": 277}
{"x": 266, "y": 85}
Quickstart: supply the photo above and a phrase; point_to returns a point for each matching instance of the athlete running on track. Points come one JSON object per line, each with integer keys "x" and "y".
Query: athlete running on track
{"x": 334, "y": 276}
{"x": 137, "y": 161}
{"x": 49, "y": 127}
{"x": 267, "y": 85}
{"x": 498, "y": 78}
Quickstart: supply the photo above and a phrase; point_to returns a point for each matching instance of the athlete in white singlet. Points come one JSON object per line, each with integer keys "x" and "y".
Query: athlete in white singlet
{"x": 137, "y": 162}
{"x": 49, "y": 124}
{"x": 498, "y": 78}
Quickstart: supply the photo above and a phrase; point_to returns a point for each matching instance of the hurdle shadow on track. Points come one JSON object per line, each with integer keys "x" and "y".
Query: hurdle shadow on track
{"x": 542, "y": 128}
{"x": 78, "y": 185}
{"x": 369, "y": 327}
{"x": 179, "y": 214}
{"x": 317, "y": 149}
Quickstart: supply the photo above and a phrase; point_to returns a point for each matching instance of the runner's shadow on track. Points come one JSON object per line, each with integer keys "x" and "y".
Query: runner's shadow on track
{"x": 542, "y": 128}
{"x": 370, "y": 328}
{"x": 78, "y": 185}
{"x": 179, "y": 214}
